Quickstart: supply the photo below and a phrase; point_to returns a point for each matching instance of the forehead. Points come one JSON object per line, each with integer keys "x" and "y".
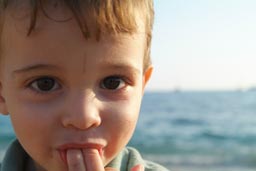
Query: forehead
{"x": 19, "y": 23}
{"x": 53, "y": 39}
{"x": 117, "y": 17}
{"x": 21, "y": 19}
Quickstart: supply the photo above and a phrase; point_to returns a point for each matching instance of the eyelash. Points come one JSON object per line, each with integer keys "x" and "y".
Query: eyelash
{"x": 36, "y": 81}
{"x": 123, "y": 79}
{"x": 33, "y": 85}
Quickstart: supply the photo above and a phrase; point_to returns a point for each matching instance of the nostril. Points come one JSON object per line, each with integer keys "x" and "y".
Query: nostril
{"x": 81, "y": 111}
{"x": 81, "y": 123}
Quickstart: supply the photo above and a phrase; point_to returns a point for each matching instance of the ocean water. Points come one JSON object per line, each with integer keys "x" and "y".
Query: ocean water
{"x": 191, "y": 131}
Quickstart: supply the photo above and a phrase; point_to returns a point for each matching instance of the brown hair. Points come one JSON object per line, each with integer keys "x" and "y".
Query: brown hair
{"x": 112, "y": 16}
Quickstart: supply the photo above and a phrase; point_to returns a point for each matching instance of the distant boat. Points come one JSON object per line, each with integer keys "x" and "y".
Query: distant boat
{"x": 252, "y": 89}
{"x": 241, "y": 89}
{"x": 177, "y": 90}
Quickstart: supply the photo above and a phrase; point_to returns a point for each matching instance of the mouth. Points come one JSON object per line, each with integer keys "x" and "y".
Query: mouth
{"x": 64, "y": 148}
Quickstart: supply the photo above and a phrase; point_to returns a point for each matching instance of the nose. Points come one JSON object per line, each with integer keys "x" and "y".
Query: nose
{"x": 81, "y": 112}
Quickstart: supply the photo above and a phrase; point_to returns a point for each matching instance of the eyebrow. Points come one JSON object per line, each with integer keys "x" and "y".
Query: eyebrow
{"x": 124, "y": 67}
{"x": 33, "y": 68}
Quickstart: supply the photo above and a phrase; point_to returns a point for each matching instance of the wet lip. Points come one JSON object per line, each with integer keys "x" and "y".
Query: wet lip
{"x": 64, "y": 148}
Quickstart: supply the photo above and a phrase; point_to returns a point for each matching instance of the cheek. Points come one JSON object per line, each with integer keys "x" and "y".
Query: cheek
{"x": 28, "y": 123}
{"x": 31, "y": 121}
{"x": 120, "y": 122}
{"x": 123, "y": 115}
{"x": 34, "y": 131}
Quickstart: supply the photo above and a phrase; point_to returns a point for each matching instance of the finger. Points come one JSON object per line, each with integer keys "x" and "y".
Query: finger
{"x": 93, "y": 160}
{"x": 110, "y": 169}
{"x": 75, "y": 160}
{"x": 138, "y": 167}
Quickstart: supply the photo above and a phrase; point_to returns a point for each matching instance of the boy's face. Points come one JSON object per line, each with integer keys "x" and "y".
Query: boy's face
{"x": 64, "y": 92}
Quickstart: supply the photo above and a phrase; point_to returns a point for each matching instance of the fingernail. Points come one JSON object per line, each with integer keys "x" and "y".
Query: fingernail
{"x": 138, "y": 167}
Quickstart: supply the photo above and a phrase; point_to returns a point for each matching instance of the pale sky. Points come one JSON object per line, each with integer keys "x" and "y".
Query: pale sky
{"x": 204, "y": 44}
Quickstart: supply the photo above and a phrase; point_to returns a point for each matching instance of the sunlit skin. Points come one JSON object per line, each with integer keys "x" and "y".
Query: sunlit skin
{"x": 73, "y": 103}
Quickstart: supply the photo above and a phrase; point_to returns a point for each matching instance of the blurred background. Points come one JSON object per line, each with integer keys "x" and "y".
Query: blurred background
{"x": 204, "y": 45}
{"x": 198, "y": 110}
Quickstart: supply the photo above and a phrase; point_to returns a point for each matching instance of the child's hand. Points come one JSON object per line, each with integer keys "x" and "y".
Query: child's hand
{"x": 89, "y": 160}
{"x": 75, "y": 160}
{"x": 84, "y": 160}
{"x": 135, "y": 168}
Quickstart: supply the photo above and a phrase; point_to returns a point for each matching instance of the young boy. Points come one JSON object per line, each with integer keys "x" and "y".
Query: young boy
{"x": 72, "y": 77}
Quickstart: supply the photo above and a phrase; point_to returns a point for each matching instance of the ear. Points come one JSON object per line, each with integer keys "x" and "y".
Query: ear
{"x": 147, "y": 75}
{"x": 3, "y": 107}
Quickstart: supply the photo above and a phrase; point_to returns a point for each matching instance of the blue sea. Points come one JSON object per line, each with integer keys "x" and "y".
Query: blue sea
{"x": 190, "y": 131}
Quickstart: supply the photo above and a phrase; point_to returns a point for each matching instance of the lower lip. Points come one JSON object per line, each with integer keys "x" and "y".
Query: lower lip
{"x": 63, "y": 154}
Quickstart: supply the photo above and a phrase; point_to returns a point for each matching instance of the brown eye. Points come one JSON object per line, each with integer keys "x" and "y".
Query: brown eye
{"x": 45, "y": 84}
{"x": 112, "y": 83}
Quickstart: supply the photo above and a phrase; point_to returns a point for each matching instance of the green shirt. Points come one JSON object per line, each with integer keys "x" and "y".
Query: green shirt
{"x": 16, "y": 159}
